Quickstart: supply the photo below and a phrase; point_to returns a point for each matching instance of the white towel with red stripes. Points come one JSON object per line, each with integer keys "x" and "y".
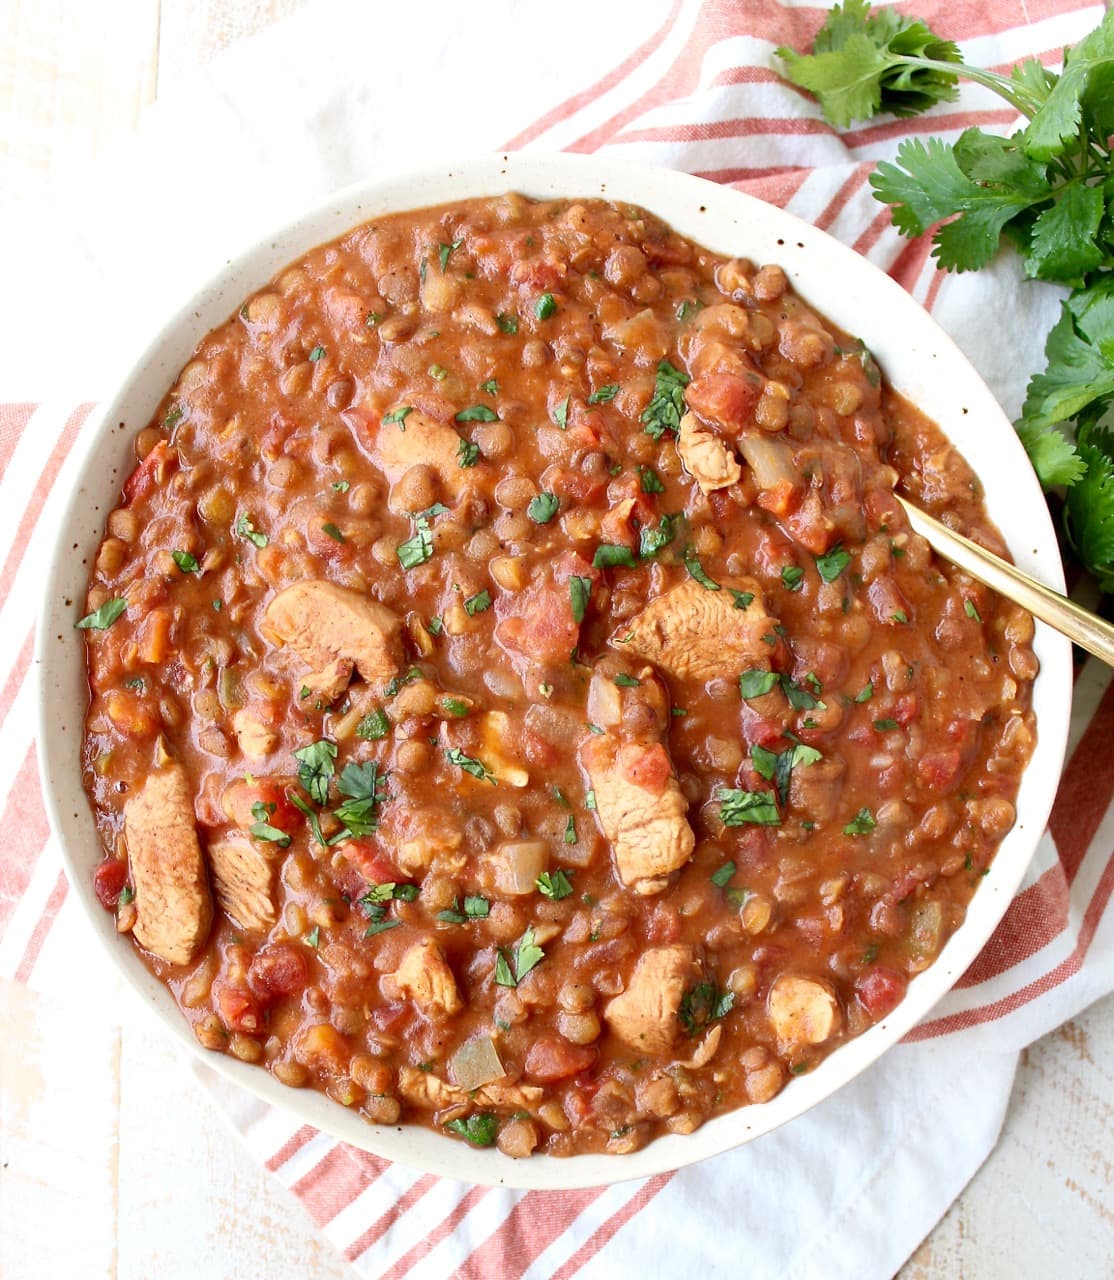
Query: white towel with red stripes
{"x": 343, "y": 91}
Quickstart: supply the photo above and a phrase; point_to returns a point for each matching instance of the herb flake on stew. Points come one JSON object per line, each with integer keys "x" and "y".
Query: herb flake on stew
{"x": 602, "y": 395}
{"x": 333, "y": 532}
{"x": 469, "y": 764}
{"x": 527, "y": 955}
{"x": 667, "y": 404}
{"x": 861, "y": 824}
{"x": 418, "y": 549}
{"x": 884, "y": 726}
{"x": 103, "y": 618}
{"x": 507, "y": 322}
{"x": 455, "y": 707}
{"x": 477, "y": 603}
{"x": 971, "y": 610}
{"x": 467, "y": 454}
{"x": 561, "y": 413}
{"x": 832, "y": 563}
{"x": 316, "y": 354}
{"x": 475, "y": 908}
{"x": 374, "y": 726}
{"x": 554, "y": 885}
{"x": 262, "y": 829}
{"x": 742, "y": 599}
{"x": 480, "y": 1128}
{"x": 792, "y": 576}
{"x": 543, "y": 508}
{"x": 314, "y": 937}
{"x": 741, "y": 808}
{"x": 627, "y": 682}
{"x": 580, "y": 592}
{"x": 608, "y": 555}
{"x": 340, "y": 486}
{"x": 696, "y": 572}
{"x": 570, "y": 830}
{"x": 704, "y": 1004}
{"x": 477, "y": 413}
{"x": 722, "y": 877}
{"x": 185, "y": 562}
{"x": 777, "y": 767}
{"x": 866, "y": 692}
{"x": 399, "y": 416}
{"x": 246, "y": 529}
{"x": 316, "y": 767}
{"x": 359, "y": 784}
{"x": 650, "y": 480}
{"x": 651, "y": 540}
{"x": 545, "y": 306}
{"x": 445, "y": 252}
{"x": 756, "y": 683}
{"x": 490, "y": 387}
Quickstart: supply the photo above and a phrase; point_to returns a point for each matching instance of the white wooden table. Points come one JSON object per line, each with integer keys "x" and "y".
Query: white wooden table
{"x": 167, "y": 1189}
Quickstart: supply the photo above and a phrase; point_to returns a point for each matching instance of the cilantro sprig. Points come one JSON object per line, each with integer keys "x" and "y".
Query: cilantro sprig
{"x": 1048, "y": 188}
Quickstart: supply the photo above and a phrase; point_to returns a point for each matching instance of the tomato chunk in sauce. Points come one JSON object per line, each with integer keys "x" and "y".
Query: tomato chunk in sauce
{"x": 532, "y": 715}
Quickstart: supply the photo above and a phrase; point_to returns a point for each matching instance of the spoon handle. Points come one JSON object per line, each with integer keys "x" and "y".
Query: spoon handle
{"x": 1086, "y": 629}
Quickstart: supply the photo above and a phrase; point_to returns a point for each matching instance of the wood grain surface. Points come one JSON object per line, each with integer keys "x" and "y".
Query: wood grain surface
{"x": 163, "y": 1186}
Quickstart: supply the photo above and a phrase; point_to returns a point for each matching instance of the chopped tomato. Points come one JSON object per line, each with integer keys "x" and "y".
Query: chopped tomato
{"x": 759, "y": 729}
{"x": 108, "y": 880}
{"x": 539, "y": 273}
{"x": 538, "y": 623}
{"x": 369, "y": 861}
{"x": 647, "y": 767}
{"x": 879, "y": 990}
{"x": 724, "y": 399}
{"x": 939, "y": 770}
{"x": 906, "y": 706}
{"x": 279, "y": 970}
{"x": 389, "y": 1017}
{"x": 241, "y": 797}
{"x": 554, "y": 1058}
{"x": 779, "y": 498}
{"x": 574, "y": 486}
{"x": 664, "y": 925}
{"x": 149, "y": 474}
{"x": 237, "y": 1007}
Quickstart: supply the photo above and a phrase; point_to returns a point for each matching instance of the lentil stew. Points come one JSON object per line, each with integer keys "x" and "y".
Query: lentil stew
{"x": 518, "y": 703}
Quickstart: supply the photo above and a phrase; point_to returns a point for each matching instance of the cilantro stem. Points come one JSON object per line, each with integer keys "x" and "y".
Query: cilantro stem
{"x": 1019, "y": 97}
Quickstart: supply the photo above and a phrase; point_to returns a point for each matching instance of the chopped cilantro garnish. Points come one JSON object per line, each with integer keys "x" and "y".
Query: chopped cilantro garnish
{"x": 667, "y": 404}
{"x": 696, "y": 572}
{"x": 467, "y": 454}
{"x": 755, "y": 683}
{"x": 246, "y": 529}
{"x": 475, "y": 908}
{"x": 722, "y": 877}
{"x": 507, "y": 322}
{"x": 650, "y": 480}
{"x": 561, "y": 413}
{"x": 971, "y": 610}
{"x": 545, "y": 306}
{"x": 580, "y": 592}
{"x": 861, "y": 824}
{"x": 602, "y": 395}
{"x": 554, "y": 885}
{"x": 359, "y": 784}
{"x": 374, "y": 726}
{"x": 315, "y": 767}
{"x": 743, "y": 599}
{"x": 103, "y": 618}
{"x": 739, "y": 808}
{"x": 317, "y": 353}
{"x": 340, "y": 486}
{"x": 333, "y": 532}
{"x": 398, "y": 415}
{"x": 262, "y": 829}
{"x": 832, "y": 563}
{"x": 527, "y": 955}
{"x": 866, "y": 692}
{"x": 445, "y": 251}
{"x": 469, "y": 764}
{"x": 477, "y": 413}
{"x": 884, "y": 726}
{"x": 626, "y": 682}
{"x": 490, "y": 387}
{"x": 184, "y": 561}
{"x": 609, "y": 555}
{"x": 480, "y": 1128}
{"x": 543, "y": 508}
{"x": 477, "y": 603}
{"x": 703, "y": 1004}
{"x": 792, "y": 576}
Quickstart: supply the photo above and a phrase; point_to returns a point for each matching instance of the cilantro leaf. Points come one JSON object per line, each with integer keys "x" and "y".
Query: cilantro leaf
{"x": 554, "y": 885}
{"x": 667, "y": 404}
{"x": 739, "y": 808}
{"x": 927, "y": 185}
{"x": 374, "y": 726}
{"x": 832, "y": 563}
{"x": 315, "y": 768}
{"x": 1089, "y": 513}
{"x": 580, "y": 592}
{"x": 1088, "y": 73}
{"x": 103, "y": 618}
{"x": 1063, "y": 241}
{"x": 477, "y": 413}
{"x": 703, "y": 1004}
{"x": 480, "y": 1128}
{"x": 864, "y": 64}
{"x": 543, "y": 508}
{"x": 359, "y": 783}
{"x": 469, "y": 764}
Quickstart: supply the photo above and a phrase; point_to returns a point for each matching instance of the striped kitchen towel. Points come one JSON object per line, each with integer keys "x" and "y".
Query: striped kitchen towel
{"x": 850, "y": 1188}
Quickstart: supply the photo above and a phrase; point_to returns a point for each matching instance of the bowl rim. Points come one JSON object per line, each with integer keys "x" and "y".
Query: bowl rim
{"x": 685, "y": 202}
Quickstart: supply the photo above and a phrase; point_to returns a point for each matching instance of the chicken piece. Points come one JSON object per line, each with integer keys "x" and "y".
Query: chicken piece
{"x": 696, "y": 634}
{"x": 417, "y": 440}
{"x": 638, "y": 800}
{"x": 174, "y": 910}
{"x": 644, "y": 1016}
{"x": 706, "y": 456}
{"x": 328, "y": 683}
{"x": 519, "y": 1096}
{"x": 424, "y": 1089}
{"x": 640, "y": 808}
{"x": 802, "y": 1011}
{"x": 500, "y": 751}
{"x": 424, "y": 977}
{"x": 243, "y": 877}
{"x": 324, "y": 623}
{"x": 256, "y": 740}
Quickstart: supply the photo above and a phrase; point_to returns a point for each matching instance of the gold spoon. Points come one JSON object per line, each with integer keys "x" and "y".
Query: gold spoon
{"x": 1086, "y": 629}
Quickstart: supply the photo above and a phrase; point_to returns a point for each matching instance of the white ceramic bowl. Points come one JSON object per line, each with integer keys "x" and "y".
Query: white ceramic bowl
{"x": 919, "y": 360}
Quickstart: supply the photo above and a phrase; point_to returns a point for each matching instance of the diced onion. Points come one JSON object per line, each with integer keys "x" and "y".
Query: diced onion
{"x": 518, "y": 863}
{"x": 475, "y": 1063}
{"x": 604, "y": 706}
{"x": 769, "y": 459}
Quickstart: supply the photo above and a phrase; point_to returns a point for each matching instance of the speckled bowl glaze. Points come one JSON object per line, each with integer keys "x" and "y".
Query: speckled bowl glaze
{"x": 919, "y": 360}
